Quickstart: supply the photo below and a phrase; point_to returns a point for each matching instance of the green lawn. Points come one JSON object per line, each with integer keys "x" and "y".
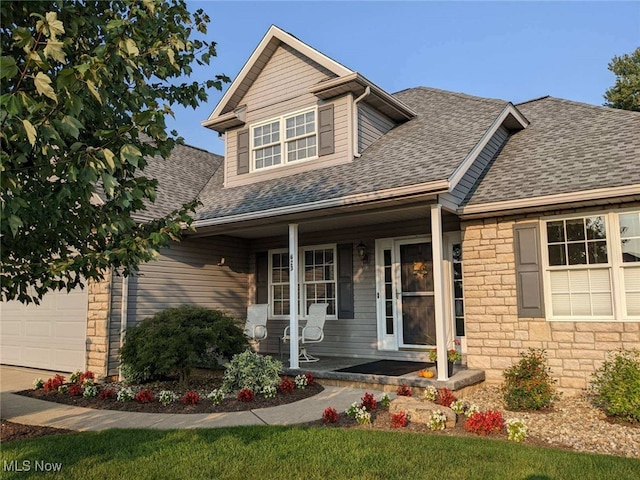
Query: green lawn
{"x": 306, "y": 453}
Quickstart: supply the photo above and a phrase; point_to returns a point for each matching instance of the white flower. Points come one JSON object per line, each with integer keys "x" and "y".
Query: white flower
{"x": 125, "y": 395}
{"x": 75, "y": 376}
{"x": 216, "y": 396}
{"x": 430, "y": 393}
{"x": 90, "y": 391}
{"x": 516, "y": 429}
{"x": 269, "y": 391}
{"x": 471, "y": 409}
{"x": 437, "y": 420}
{"x": 301, "y": 381}
{"x": 362, "y": 416}
{"x": 38, "y": 383}
{"x": 458, "y": 407}
{"x": 166, "y": 397}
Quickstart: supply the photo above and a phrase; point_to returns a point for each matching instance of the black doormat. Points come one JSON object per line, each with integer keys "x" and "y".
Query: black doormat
{"x": 391, "y": 368}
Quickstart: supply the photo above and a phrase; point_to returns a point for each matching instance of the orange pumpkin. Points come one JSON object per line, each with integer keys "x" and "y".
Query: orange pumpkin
{"x": 427, "y": 374}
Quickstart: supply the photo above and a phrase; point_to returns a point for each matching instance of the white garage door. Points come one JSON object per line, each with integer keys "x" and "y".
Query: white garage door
{"x": 50, "y": 335}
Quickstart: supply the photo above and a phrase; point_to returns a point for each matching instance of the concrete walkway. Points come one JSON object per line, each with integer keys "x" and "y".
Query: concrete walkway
{"x": 30, "y": 411}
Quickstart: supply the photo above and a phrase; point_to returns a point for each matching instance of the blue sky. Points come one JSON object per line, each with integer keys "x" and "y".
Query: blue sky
{"x": 515, "y": 51}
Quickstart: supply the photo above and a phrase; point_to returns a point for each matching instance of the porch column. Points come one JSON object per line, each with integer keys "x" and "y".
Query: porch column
{"x": 293, "y": 295}
{"x": 438, "y": 290}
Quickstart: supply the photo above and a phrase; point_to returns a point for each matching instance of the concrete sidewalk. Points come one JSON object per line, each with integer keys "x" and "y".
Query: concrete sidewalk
{"x": 31, "y": 411}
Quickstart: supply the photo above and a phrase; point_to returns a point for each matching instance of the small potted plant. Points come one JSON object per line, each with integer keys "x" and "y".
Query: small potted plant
{"x": 453, "y": 355}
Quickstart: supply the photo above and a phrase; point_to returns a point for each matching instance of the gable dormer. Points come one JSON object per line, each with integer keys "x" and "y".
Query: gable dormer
{"x": 292, "y": 109}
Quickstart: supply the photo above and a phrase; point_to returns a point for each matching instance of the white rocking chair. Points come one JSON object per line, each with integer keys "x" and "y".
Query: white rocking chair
{"x": 312, "y": 332}
{"x": 256, "y": 326}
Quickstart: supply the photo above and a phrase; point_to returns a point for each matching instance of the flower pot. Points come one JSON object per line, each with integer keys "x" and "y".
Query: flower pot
{"x": 450, "y": 368}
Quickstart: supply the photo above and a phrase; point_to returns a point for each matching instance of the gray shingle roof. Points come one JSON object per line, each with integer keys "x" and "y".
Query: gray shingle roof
{"x": 568, "y": 147}
{"x": 425, "y": 149}
{"x": 180, "y": 179}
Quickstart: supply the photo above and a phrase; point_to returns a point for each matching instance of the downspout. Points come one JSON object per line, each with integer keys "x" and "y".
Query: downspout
{"x": 367, "y": 92}
{"x": 124, "y": 306}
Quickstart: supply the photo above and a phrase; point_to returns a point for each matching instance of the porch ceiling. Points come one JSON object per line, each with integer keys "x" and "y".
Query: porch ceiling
{"x": 323, "y": 220}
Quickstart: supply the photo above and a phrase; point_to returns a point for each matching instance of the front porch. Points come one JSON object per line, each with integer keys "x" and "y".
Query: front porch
{"x": 326, "y": 371}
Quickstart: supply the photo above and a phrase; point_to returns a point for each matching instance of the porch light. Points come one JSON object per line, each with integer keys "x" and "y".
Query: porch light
{"x": 361, "y": 248}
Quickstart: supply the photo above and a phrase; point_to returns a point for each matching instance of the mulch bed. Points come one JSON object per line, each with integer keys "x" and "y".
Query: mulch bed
{"x": 10, "y": 431}
{"x": 203, "y": 384}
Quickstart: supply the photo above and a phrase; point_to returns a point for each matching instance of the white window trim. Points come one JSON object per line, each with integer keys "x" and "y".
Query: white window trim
{"x": 283, "y": 140}
{"x": 301, "y": 290}
{"x": 614, "y": 265}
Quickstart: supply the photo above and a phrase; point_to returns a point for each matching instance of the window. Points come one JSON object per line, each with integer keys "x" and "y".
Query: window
{"x": 317, "y": 279}
{"x": 299, "y": 140}
{"x": 458, "y": 297}
{"x": 593, "y": 266}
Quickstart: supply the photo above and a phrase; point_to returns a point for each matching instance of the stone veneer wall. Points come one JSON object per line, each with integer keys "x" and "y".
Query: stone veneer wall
{"x": 98, "y": 325}
{"x": 495, "y": 334}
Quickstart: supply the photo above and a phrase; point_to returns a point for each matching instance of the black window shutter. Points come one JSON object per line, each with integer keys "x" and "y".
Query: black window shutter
{"x": 243, "y": 152}
{"x": 325, "y": 130}
{"x": 262, "y": 277}
{"x": 345, "y": 281}
{"x": 526, "y": 244}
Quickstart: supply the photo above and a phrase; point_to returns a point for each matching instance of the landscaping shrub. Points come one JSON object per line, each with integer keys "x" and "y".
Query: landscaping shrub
{"x": 245, "y": 395}
{"x": 616, "y": 385}
{"x": 251, "y": 370}
{"x": 484, "y": 423}
{"x": 399, "y": 420}
{"x": 286, "y": 386}
{"x": 310, "y": 379}
{"x": 369, "y": 402}
{"x": 75, "y": 390}
{"x": 107, "y": 394}
{"x": 445, "y": 397}
{"x": 528, "y": 384}
{"x": 144, "y": 396}
{"x": 403, "y": 391}
{"x": 330, "y": 415}
{"x": 53, "y": 383}
{"x": 176, "y": 340}
{"x": 190, "y": 398}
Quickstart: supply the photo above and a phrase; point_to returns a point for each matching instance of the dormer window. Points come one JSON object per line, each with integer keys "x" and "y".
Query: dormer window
{"x": 298, "y": 142}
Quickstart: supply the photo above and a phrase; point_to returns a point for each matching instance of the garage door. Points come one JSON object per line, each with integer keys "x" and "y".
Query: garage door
{"x": 50, "y": 335}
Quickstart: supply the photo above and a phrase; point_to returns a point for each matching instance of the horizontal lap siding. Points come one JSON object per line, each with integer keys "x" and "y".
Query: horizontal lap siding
{"x": 282, "y": 88}
{"x": 371, "y": 125}
{"x": 355, "y": 337}
{"x": 186, "y": 273}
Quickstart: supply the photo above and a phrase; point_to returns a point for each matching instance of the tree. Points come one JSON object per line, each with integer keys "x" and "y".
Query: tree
{"x": 625, "y": 94}
{"x": 86, "y": 87}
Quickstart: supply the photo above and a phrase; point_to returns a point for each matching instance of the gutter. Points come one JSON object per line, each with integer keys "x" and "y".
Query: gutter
{"x": 434, "y": 188}
{"x": 124, "y": 307}
{"x": 367, "y": 92}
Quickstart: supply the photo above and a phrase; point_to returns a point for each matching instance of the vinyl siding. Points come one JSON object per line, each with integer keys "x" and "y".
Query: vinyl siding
{"x": 115, "y": 320}
{"x": 472, "y": 175}
{"x": 186, "y": 273}
{"x": 355, "y": 337}
{"x": 371, "y": 125}
{"x": 282, "y": 88}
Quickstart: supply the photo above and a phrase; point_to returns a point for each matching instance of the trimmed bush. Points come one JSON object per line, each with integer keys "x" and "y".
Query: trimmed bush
{"x": 528, "y": 384}
{"x": 176, "y": 340}
{"x": 251, "y": 370}
{"x": 616, "y": 385}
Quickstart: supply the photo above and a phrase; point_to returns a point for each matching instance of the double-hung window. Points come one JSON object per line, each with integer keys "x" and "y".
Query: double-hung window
{"x": 317, "y": 279}
{"x": 593, "y": 266}
{"x": 284, "y": 140}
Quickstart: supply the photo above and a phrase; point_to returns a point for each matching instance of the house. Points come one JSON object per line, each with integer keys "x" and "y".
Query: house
{"x": 421, "y": 218}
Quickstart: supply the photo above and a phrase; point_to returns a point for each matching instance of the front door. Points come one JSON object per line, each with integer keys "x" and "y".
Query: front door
{"x": 406, "y": 313}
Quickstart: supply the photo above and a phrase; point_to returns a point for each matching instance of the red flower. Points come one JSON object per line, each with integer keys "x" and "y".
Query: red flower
{"x": 330, "y": 415}
{"x": 445, "y": 397}
{"x": 245, "y": 395}
{"x": 144, "y": 396}
{"x": 404, "y": 391}
{"x": 107, "y": 393}
{"x": 190, "y": 398}
{"x": 53, "y": 383}
{"x": 369, "y": 402}
{"x": 286, "y": 385}
{"x": 310, "y": 379}
{"x": 399, "y": 420}
{"x": 75, "y": 390}
{"x": 484, "y": 423}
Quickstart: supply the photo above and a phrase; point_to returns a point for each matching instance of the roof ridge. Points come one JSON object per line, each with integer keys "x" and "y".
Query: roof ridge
{"x": 534, "y": 99}
{"x": 582, "y": 104}
{"x": 457, "y": 94}
{"x": 184, "y": 144}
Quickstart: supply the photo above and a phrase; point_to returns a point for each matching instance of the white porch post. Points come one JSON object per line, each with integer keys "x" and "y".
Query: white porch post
{"x": 293, "y": 295}
{"x": 438, "y": 289}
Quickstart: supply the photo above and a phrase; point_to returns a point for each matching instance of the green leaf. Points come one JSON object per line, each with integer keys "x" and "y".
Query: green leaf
{"x": 14, "y": 223}
{"x": 130, "y": 153}
{"x": 109, "y": 156}
{"x": 55, "y": 26}
{"x": 131, "y": 47}
{"x": 94, "y": 91}
{"x": 109, "y": 183}
{"x": 31, "y": 131}
{"x": 43, "y": 86}
{"x": 71, "y": 126}
{"x": 54, "y": 50}
{"x": 8, "y": 67}
{"x": 11, "y": 103}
